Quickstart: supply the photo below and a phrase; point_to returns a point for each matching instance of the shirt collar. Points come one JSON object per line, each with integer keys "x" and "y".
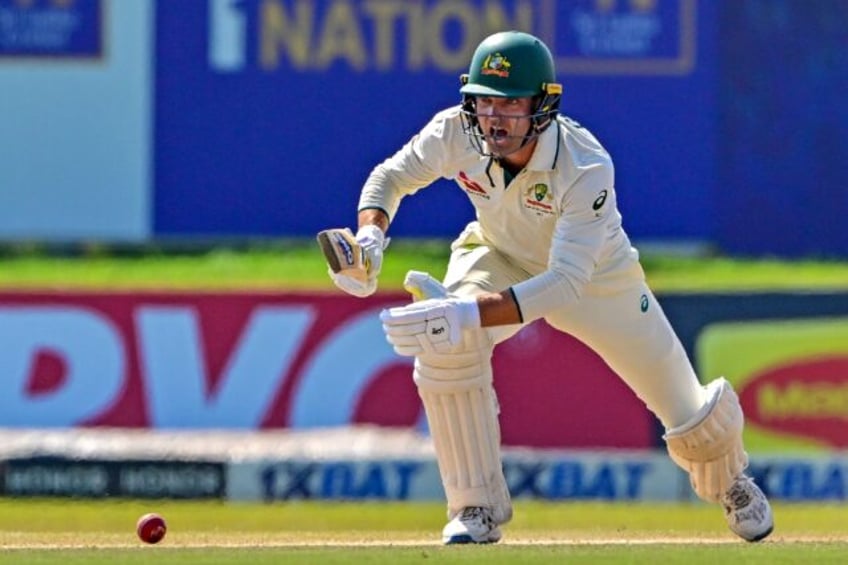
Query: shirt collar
{"x": 546, "y": 154}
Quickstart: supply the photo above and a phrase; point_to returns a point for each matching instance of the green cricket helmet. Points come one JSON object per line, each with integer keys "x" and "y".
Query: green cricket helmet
{"x": 511, "y": 64}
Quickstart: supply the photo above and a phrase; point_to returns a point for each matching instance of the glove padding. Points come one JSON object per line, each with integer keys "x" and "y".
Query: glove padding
{"x": 354, "y": 261}
{"x": 423, "y": 286}
{"x": 429, "y": 326}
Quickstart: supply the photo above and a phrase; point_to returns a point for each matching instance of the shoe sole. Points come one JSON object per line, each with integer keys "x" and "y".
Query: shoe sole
{"x": 761, "y": 537}
{"x": 464, "y": 539}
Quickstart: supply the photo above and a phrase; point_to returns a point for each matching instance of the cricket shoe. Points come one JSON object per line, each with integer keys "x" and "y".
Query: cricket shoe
{"x": 747, "y": 510}
{"x": 473, "y": 525}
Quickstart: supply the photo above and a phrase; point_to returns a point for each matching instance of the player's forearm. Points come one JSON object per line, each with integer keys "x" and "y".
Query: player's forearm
{"x": 373, "y": 216}
{"x": 498, "y": 309}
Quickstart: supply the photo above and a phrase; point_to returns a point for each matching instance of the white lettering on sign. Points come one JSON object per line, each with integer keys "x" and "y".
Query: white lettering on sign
{"x": 227, "y": 35}
{"x": 335, "y": 377}
{"x": 176, "y": 375}
{"x": 156, "y": 359}
{"x": 90, "y": 347}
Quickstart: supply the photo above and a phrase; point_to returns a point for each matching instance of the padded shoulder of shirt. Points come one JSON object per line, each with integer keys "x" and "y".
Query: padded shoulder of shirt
{"x": 444, "y": 120}
{"x": 582, "y": 146}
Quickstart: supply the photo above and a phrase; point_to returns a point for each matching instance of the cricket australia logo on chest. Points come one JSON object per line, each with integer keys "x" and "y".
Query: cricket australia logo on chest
{"x": 538, "y": 199}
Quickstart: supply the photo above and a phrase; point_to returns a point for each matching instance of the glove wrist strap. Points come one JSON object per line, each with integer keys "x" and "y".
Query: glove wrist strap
{"x": 468, "y": 312}
{"x": 372, "y": 233}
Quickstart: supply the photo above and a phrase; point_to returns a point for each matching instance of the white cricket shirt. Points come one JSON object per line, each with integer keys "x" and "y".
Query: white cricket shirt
{"x": 557, "y": 219}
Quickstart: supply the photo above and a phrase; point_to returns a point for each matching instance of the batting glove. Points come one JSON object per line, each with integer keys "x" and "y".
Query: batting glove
{"x": 373, "y": 241}
{"x": 429, "y": 326}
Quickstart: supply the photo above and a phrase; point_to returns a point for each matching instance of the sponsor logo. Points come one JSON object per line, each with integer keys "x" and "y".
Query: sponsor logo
{"x": 57, "y": 476}
{"x": 539, "y": 207}
{"x": 599, "y": 201}
{"x": 155, "y": 479}
{"x": 346, "y": 480}
{"x": 496, "y": 64}
{"x": 472, "y": 187}
{"x": 643, "y": 303}
{"x": 259, "y": 34}
{"x": 54, "y": 477}
{"x": 801, "y": 479}
{"x": 807, "y": 398}
{"x": 575, "y": 479}
{"x": 345, "y": 246}
{"x": 262, "y": 360}
{"x": 59, "y": 29}
{"x": 538, "y": 199}
{"x": 583, "y": 477}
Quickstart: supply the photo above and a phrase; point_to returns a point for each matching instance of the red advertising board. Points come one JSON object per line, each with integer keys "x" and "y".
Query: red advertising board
{"x": 277, "y": 360}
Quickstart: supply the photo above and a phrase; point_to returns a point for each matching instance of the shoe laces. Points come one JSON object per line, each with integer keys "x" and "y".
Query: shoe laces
{"x": 475, "y": 513}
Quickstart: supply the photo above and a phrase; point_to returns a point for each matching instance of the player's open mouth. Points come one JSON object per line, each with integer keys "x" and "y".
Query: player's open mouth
{"x": 499, "y": 135}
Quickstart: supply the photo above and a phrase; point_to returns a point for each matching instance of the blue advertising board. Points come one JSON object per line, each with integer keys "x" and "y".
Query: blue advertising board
{"x": 51, "y": 28}
{"x": 147, "y": 120}
{"x": 270, "y": 114}
{"x": 530, "y": 474}
{"x": 783, "y": 160}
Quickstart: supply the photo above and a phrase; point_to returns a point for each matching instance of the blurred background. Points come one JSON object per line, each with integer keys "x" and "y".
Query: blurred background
{"x": 140, "y": 120}
{"x": 201, "y": 122}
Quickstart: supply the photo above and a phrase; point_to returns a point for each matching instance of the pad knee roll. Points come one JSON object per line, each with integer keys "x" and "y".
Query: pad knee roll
{"x": 462, "y": 412}
{"x": 709, "y": 446}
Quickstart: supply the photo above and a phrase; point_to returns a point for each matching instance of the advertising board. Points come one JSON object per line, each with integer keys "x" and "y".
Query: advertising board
{"x": 271, "y": 113}
{"x": 277, "y": 360}
{"x": 791, "y": 376}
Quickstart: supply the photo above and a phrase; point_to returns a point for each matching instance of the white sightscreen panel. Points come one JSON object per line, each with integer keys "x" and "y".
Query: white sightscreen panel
{"x": 75, "y": 141}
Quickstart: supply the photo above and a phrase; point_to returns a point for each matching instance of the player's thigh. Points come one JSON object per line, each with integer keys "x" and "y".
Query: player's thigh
{"x": 473, "y": 270}
{"x": 630, "y": 331}
{"x": 628, "y": 325}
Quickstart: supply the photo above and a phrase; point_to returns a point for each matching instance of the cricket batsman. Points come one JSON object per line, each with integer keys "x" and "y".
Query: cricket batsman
{"x": 547, "y": 243}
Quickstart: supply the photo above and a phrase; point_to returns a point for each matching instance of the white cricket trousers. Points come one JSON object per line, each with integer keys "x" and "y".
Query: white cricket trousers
{"x": 626, "y": 328}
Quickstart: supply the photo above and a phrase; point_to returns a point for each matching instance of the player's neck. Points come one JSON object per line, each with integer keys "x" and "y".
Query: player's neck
{"x": 514, "y": 162}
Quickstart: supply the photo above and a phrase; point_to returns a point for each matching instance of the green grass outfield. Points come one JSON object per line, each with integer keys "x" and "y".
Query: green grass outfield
{"x": 36, "y": 531}
{"x": 298, "y": 265}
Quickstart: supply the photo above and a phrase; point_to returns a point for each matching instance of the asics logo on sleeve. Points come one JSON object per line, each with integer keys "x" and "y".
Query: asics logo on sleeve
{"x": 599, "y": 201}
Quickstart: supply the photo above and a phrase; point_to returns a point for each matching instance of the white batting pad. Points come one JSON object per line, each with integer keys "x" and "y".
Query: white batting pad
{"x": 462, "y": 412}
{"x": 709, "y": 447}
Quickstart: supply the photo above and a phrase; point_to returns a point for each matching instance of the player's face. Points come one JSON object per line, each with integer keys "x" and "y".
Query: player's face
{"x": 504, "y": 122}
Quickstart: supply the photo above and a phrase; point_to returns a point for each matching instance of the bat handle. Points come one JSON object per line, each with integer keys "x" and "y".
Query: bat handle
{"x": 422, "y": 286}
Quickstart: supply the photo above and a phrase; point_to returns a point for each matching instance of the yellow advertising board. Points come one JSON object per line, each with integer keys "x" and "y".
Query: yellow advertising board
{"x": 791, "y": 377}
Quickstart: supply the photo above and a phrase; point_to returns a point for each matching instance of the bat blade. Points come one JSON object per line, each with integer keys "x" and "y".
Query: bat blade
{"x": 343, "y": 254}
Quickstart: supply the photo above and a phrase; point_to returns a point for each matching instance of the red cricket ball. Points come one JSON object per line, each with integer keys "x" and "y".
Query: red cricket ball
{"x": 151, "y": 528}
